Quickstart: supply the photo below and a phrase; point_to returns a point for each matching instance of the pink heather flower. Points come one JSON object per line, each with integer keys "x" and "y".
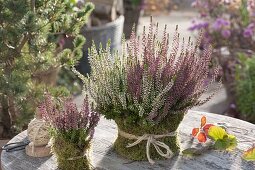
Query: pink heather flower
{"x": 187, "y": 71}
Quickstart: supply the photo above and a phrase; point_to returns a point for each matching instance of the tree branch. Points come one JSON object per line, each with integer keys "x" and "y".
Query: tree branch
{"x": 12, "y": 109}
{"x": 33, "y": 5}
{"x": 22, "y": 42}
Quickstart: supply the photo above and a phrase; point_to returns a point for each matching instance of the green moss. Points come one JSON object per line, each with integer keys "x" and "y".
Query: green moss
{"x": 64, "y": 150}
{"x": 138, "y": 152}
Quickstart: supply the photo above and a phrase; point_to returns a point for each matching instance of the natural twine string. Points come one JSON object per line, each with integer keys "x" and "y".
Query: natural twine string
{"x": 78, "y": 157}
{"x": 151, "y": 139}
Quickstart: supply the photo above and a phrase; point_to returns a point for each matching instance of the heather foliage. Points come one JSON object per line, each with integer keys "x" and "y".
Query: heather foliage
{"x": 148, "y": 81}
{"x": 69, "y": 123}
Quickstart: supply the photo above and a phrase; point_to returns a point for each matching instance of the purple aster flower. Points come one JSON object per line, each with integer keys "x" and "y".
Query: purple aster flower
{"x": 198, "y": 26}
{"x": 249, "y": 30}
{"x": 226, "y": 33}
{"x": 219, "y": 23}
{"x": 248, "y": 33}
{"x": 251, "y": 26}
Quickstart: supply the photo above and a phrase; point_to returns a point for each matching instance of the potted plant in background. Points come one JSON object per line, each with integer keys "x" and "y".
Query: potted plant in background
{"x": 132, "y": 11}
{"x": 147, "y": 90}
{"x": 230, "y": 27}
{"x": 106, "y": 23}
{"x": 29, "y": 36}
{"x": 71, "y": 131}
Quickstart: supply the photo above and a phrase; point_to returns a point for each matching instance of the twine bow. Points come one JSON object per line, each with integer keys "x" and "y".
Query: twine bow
{"x": 151, "y": 139}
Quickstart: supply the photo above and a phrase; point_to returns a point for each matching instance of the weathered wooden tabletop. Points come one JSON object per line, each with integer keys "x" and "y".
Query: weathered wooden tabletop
{"x": 104, "y": 156}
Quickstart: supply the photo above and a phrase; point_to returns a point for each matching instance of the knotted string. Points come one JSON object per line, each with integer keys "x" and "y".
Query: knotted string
{"x": 151, "y": 139}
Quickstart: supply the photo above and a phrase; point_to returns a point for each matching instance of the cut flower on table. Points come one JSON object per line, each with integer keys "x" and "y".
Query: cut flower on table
{"x": 222, "y": 140}
{"x": 202, "y": 132}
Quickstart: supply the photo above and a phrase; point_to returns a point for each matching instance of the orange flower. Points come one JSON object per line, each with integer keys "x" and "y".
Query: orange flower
{"x": 202, "y": 132}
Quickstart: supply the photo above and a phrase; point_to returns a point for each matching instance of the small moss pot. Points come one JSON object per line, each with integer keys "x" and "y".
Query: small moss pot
{"x": 138, "y": 152}
{"x": 65, "y": 150}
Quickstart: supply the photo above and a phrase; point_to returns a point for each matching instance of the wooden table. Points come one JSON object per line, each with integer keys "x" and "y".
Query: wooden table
{"x": 105, "y": 158}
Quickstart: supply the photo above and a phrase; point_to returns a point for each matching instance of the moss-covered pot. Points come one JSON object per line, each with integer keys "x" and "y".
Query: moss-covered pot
{"x": 138, "y": 152}
{"x": 65, "y": 151}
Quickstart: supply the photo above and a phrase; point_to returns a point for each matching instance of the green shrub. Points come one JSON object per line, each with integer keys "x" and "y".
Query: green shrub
{"x": 245, "y": 88}
{"x": 30, "y": 42}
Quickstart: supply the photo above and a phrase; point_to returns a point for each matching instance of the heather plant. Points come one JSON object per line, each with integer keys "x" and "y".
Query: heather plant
{"x": 148, "y": 82}
{"x": 71, "y": 130}
{"x": 148, "y": 87}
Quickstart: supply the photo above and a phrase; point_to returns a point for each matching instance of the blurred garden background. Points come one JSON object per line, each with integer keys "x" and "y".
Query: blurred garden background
{"x": 39, "y": 45}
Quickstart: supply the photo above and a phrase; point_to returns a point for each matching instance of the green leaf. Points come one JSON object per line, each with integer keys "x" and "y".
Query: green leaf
{"x": 220, "y": 144}
{"x": 249, "y": 155}
{"x": 78, "y": 41}
{"x": 216, "y": 132}
{"x": 192, "y": 152}
{"x": 228, "y": 143}
{"x": 232, "y": 143}
{"x": 223, "y": 141}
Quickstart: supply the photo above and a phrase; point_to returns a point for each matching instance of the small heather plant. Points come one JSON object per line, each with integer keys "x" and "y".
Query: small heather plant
{"x": 71, "y": 131}
{"x": 66, "y": 121}
{"x": 148, "y": 81}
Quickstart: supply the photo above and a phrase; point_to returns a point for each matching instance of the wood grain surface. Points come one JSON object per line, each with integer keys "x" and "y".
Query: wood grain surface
{"x": 105, "y": 158}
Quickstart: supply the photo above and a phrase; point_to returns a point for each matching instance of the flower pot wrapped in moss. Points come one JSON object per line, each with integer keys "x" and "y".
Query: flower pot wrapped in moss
{"x": 71, "y": 132}
{"x": 147, "y": 90}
